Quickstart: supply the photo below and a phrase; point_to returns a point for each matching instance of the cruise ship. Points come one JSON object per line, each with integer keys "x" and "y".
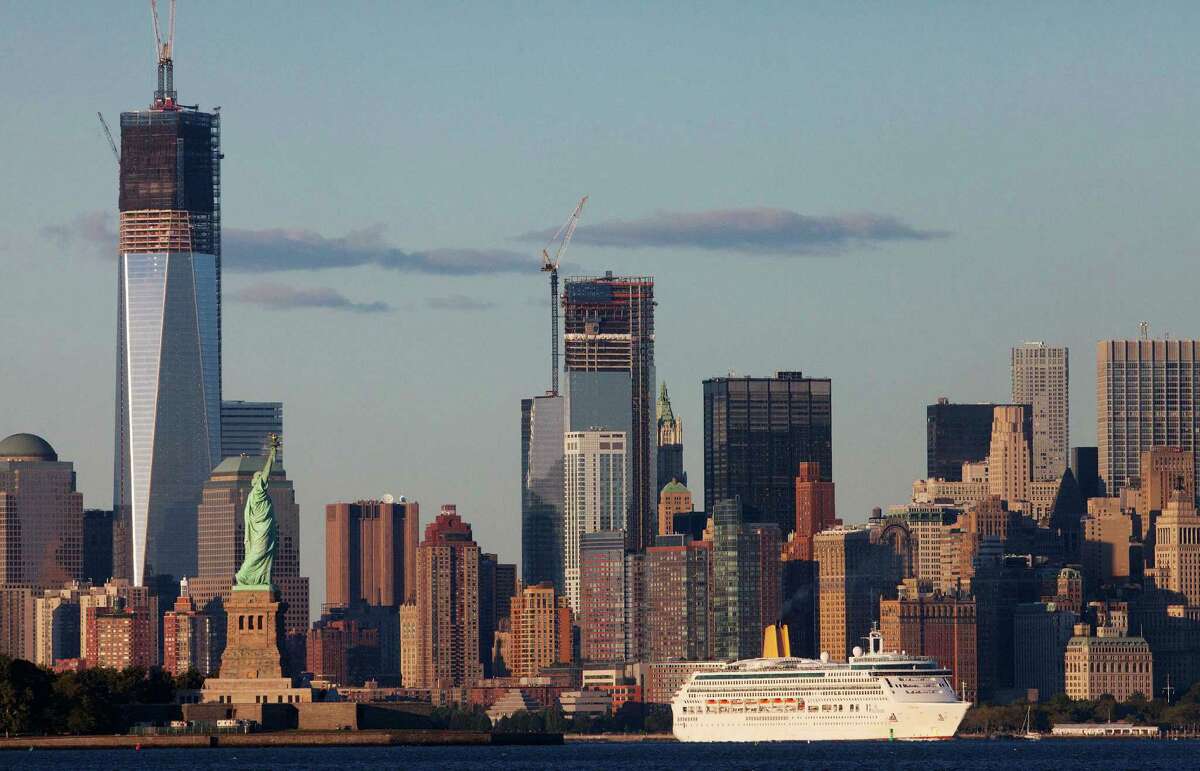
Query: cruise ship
{"x": 874, "y": 695}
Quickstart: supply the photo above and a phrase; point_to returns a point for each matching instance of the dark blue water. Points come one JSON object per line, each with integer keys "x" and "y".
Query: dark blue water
{"x": 668, "y": 756}
{"x": 1051, "y": 754}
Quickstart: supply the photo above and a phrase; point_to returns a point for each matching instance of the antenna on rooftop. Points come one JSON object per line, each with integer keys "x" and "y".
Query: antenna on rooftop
{"x": 1144, "y": 330}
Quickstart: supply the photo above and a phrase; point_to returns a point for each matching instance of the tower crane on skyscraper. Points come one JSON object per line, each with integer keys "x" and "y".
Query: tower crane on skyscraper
{"x": 550, "y": 265}
{"x": 164, "y": 97}
{"x": 108, "y": 136}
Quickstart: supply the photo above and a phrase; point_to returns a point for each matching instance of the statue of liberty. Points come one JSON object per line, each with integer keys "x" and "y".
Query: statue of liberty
{"x": 261, "y": 539}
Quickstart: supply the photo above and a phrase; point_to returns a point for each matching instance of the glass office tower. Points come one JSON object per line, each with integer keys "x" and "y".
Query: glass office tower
{"x": 168, "y": 412}
{"x": 757, "y": 432}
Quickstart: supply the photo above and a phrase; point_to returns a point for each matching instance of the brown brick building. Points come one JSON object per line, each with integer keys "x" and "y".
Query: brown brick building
{"x": 371, "y": 552}
{"x": 936, "y": 625}
{"x": 678, "y": 621}
{"x": 447, "y": 605}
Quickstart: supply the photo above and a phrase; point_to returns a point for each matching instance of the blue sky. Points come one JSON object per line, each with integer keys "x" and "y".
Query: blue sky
{"x": 1040, "y": 158}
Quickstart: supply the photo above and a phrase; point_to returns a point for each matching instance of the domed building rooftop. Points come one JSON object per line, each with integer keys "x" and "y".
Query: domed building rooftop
{"x": 26, "y": 447}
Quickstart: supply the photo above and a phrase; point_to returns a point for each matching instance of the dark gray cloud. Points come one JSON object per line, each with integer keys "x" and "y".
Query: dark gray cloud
{"x": 458, "y": 302}
{"x": 277, "y": 249}
{"x": 281, "y": 297}
{"x": 762, "y": 230}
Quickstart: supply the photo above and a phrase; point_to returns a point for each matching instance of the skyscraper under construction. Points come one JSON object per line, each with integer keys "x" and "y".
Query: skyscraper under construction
{"x": 609, "y": 343}
{"x": 168, "y": 411}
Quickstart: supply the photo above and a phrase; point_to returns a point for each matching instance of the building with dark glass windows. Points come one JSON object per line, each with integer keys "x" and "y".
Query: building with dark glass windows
{"x": 542, "y": 494}
{"x": 757, "y": 432}
{"x": 956, "y": 434}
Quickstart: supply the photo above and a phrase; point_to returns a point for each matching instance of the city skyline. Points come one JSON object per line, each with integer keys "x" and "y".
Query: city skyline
{"x": 877, "y": 442}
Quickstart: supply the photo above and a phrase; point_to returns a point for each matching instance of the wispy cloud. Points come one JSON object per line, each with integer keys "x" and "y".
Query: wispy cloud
{"x": 762, "y": 230}
{"x": 281, "y": 297}
{"x": 95, "y": 228}
{"x": 277, "y": 249}
{"x": 458, "y": 302}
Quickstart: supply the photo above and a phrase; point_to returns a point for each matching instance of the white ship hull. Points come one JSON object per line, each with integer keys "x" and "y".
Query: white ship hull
{"x": 876, "y": 696}
{"x": 912, "y": 722}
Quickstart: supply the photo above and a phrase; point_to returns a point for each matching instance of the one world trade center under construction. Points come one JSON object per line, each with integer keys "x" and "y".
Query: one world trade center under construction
{"x": 168, "y": 411}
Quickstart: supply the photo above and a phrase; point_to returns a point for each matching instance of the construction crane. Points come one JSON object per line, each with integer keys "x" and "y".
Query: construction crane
{"x": 108, "y": 136}
{"x": 550, "y": 265}
{"x": 164, "y": 97}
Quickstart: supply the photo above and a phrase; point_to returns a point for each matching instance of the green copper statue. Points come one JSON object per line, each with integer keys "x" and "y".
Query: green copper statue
{"x": 261, "y": 536}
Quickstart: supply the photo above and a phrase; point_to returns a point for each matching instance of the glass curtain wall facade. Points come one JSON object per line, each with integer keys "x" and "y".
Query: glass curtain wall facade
{"x": 956, "y": 434}
{"x": 245, "y": 427}
{"x": 168, "y": 412}
{"x": 542, "y": 427}
{"x": 608, "y": 339}
{"x": 757, "y": 432}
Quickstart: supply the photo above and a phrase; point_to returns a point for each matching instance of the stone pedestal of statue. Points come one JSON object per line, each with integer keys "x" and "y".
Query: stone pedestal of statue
{"x": 252, "y": 665}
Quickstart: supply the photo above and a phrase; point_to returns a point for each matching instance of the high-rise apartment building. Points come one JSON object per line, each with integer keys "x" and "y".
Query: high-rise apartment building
{"x": 851, "y": 575}
{"x": 1009, "y": 460}
{"x": 595, "y": 477}
{"x": 41, "y": 515}
{"x": 541, "y": 631}
{"x": 673, "y": 499}
{"x": 543, "y": 423}
{"x": 956, "y": 434}
{"x": 447, "y": 605}
{"x": 187, "y": 638}
{"x": 56, "y": 625}
{"x": 168, "y": 405}
{"x": 678, "y": 579}
{"x": 1145, "y": 398}
{"x": 670, "y": 443}
{"x": 1040, "y": 379}
{"x": 221, "y": 548}
{"x": 747, "y": 584}
{"x": 1165, "y": 470}
{"x": 814, "y": 508}
{"x": 120, "y": 628}
{"x": 603, "y": 597}
{"x": 371, "y": 552}
{"x": 757, "y": 432}
{"x": 246, "y": 426}
{"x": 609, "y": 343}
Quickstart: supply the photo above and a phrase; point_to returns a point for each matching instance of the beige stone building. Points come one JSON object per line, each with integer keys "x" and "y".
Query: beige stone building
{"x": 1107, "y": 663}
{"x": 1177, "y": 548}
{"x": 1161, "y": 469}
{"x": 1041, "y": 379}
{"x": 541, "y": 631}
{"x": 410, "y": 641}
{"x": 1009, "y": 463}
